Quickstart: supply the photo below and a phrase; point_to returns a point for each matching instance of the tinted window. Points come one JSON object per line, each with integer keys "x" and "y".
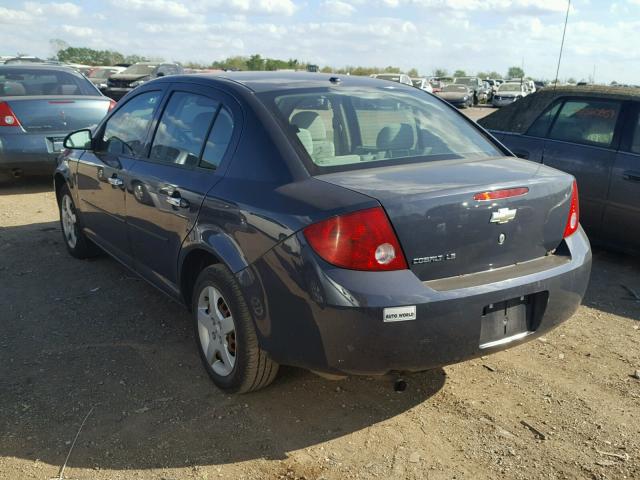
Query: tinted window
{"x": 218, "y": 140}
{"x": 28, "y": 82}
{"x": 635, "y": 142}
{"x": 364, "y": 127}
{"x": 540, "y": 127}
{"x": 586, "y": 121}
{"x": 182, "y": 129}
{"x": 126, "y": 130}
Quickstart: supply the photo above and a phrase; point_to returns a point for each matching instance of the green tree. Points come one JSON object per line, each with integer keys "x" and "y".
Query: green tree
{"x": 440, "y": 72}
{"x": 515, "y": 72}
{"x": 255, "y": 62}
{"x": 571, "y": 81}
{"x": 413, "y": 73}
{"x": 391, "y": 69}
{"x": 459, "y": 73}
{"x": 326, "y": 69}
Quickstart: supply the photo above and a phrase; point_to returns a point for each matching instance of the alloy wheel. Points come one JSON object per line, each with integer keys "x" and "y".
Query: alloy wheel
{"x": 67, "y": 212}
{"x": 216, "y": 331}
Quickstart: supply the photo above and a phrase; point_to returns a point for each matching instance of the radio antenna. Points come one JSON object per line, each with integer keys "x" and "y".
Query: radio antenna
{"x": 564, "y": 32}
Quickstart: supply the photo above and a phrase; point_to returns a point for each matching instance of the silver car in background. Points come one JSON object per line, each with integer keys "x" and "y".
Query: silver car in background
{"x": 39, "y": 106}
{"x": 394, "y": 77}
{"x": 508, "y": 93}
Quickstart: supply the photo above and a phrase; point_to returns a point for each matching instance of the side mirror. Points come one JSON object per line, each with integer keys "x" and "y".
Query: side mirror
{"x": 160, "y": 74}
{"x": 79, "y": 140}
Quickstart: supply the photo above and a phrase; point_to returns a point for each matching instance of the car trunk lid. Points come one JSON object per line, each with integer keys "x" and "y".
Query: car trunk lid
{"x": 445, "y": 232}
{"x": 58, "y": 113}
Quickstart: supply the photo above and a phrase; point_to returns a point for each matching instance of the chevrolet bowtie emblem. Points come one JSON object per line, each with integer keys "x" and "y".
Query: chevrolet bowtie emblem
{"x": 503, "y": 215}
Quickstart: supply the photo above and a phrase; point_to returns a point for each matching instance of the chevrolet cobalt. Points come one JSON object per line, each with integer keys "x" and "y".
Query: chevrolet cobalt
{"x": 335, "y": 223}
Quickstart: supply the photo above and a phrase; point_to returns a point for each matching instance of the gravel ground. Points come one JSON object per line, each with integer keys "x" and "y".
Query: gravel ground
{"x": 88, "y": 337}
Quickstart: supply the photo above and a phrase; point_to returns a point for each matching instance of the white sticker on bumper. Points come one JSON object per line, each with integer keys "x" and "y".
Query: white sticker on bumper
{"x": 399, "y": 314}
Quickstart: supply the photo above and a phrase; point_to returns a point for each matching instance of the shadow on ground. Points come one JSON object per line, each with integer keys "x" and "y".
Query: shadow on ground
{"x": 82, "y": 335}
{"x": 32, "y": 184}
{"x": 615, "y": 284}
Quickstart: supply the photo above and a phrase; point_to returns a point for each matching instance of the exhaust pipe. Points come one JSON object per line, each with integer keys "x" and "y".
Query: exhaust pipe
{"x": 16, "y": 172}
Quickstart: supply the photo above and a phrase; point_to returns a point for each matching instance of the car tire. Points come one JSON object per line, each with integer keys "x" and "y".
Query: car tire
{"x": 225, "y": 334}
{"x": 77, "y": 243}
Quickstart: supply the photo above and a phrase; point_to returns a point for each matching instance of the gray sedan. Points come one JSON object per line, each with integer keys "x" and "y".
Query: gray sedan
{"x": 39, "y": 106}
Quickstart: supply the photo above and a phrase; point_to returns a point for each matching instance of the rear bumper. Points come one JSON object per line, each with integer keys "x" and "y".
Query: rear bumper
{"x": 312, "y": 315}
{"x": 29, "y": 153}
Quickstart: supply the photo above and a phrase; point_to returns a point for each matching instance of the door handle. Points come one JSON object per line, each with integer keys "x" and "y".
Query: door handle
{"x": 177, "y": 201}
{"x": 115, "y": 181}
{"x": 631, "y": 176}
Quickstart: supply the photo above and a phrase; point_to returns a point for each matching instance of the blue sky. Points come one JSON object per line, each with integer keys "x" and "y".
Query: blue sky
{"x": 427, "y": 34}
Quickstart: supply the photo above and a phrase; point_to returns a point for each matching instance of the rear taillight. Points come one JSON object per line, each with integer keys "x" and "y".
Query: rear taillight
{"x": 7, "y": 117}
{"x": 361, "y": 240}
{"x": 112, "y": 105}
{"x": 574, "y": 212}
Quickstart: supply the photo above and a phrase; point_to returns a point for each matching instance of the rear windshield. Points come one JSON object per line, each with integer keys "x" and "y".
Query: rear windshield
{"x": 348, "y": 128}
{"x": 509, "y": 87}
{"x": 139, "y": 69}
{"x": 31, "y": 82}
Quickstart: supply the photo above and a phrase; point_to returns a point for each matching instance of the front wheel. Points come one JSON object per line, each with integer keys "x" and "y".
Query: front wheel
{"x": 75, "y": 240}
{"x": 225, "y": 334}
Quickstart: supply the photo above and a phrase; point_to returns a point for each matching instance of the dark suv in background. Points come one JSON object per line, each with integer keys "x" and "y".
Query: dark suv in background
{"x": 122, "y": 83}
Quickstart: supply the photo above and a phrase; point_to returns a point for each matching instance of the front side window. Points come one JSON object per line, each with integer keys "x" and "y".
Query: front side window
{"x": 347, "y": 128}
{"x": 126, "y": 131}
{"x": 182, "y": 129}
{"x": 590, "y": 122}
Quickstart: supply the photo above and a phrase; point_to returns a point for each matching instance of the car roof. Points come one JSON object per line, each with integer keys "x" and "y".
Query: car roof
{"x": 261, "y": 82}
{"x": 38, "y": 66}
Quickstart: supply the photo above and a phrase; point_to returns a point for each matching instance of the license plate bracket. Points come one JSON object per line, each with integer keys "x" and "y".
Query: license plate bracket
{"x": 507, "y": 321}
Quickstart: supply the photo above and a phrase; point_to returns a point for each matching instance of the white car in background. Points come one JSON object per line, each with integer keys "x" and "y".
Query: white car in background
{"x": 508, "y": 93}
{"x": 394, "y": 77}
{"x": 422, "y": 84}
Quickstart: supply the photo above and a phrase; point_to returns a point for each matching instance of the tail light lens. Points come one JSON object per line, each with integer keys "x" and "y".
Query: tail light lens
{"x": 574, "y": 212}
{"x": 7, "y": 117}
{"x": 498, "y": 194}
{"x": 361, "y": 240}
{"x": 112, "y": 104}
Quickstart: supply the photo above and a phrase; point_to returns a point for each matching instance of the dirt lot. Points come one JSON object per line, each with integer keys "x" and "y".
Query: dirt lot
{"x": 85, "y": 337}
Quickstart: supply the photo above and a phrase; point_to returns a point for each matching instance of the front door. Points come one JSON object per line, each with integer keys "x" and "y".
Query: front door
{"x": 622, "y": 216}
{"x": 169, "y": 186}
{"x": 582, "y": 141}
{"x": 103, "y": 174}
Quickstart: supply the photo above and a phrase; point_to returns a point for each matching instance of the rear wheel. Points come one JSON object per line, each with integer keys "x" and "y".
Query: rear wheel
{"x": 225, "y": 334}
{"x": 75, "y": 240}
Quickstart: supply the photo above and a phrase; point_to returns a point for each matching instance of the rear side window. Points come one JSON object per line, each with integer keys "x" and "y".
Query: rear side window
{"x": 182, "y": 129}
{"x": 347, "y": 128}
{"x": 126, "y": 131}
{"x": 218, "y": 140}
{"x": 20, "y": 82}
{"x": 590, "y": 122}
{"x": 541, "y": 126}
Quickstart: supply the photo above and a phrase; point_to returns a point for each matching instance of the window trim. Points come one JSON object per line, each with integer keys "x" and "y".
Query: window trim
{"x": 631, "y": 125}
{"x": 559, "y": 101}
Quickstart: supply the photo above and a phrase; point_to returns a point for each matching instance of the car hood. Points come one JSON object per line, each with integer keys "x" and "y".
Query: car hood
{"x": 128, "y": 77}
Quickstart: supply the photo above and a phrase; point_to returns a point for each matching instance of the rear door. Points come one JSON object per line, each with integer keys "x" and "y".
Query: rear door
{"x": 621, "y": 222}
{"x": 582, "y": 141}
{"x": 169, "y": 185}
{"x": 103, "y": 174}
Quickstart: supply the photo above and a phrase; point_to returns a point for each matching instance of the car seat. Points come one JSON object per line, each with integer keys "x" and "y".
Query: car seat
{"x": 311, "y": 121}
